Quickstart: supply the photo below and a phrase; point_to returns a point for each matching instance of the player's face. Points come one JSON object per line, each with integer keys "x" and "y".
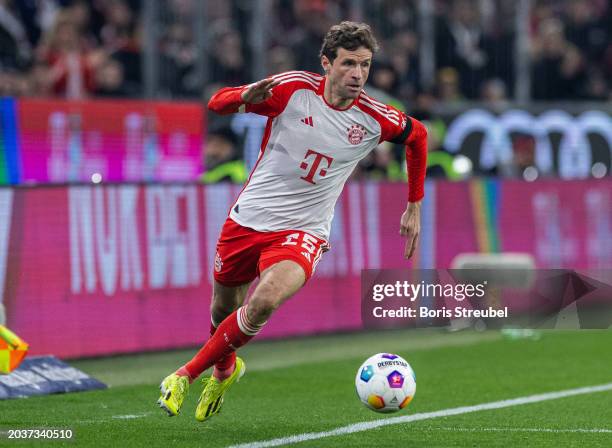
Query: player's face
{"x": 349, "y": 71}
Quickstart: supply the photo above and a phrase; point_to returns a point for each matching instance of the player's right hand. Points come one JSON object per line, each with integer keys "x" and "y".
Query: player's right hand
{"x": 259, "y": 92}
{"x": 410, "y": 227}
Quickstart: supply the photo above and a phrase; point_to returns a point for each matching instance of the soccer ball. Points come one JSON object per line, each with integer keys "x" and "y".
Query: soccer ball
{"x": 385, "y": 383}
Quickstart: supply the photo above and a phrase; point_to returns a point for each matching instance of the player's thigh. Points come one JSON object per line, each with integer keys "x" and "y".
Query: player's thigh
{"x": 277, "y": 283}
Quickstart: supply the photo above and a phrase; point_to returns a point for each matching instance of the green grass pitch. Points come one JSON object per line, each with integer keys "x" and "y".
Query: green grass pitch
{"x": 306, "y": 385}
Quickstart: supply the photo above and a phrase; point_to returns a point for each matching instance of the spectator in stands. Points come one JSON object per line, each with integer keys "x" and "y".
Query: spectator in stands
{"x": 440, "y": 163}
{"x": 40, "y": 80}
{"x": 178, "y": 56}
{"x": 79, "y": 13}
{"x": 110, "y": 81}
{"x": 558, "y": 66}
{"x": 222, "y": 158}
{"x": 596, "y": 86}
{"x": 312, "y": 20}
{"x": 119, "y": 24}
{"x": 182, "y": 11}
{"x": 523, "y": 149}
{"x": 474, "y": 38}
{"x": 15, "y": 49}
{"x": 586, "y": 29}
{"x": 9, "y": 83}
{"x": 494, "y": 94}
{"x": 119, "y": 40}
{"x": 71, "y": 71}
{"x": 280, "y": 59}
{"x": 405, "y": 61}
{"x": 447, "y": 87}
{"x": 227, "y": 63}
{"x": 384, "y": 84}
{"x": 390, "y": 17}
{"x": 461, "y": 44}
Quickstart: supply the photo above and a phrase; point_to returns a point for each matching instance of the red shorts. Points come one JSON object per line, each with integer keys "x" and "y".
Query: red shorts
{"x": 243, "y": 253}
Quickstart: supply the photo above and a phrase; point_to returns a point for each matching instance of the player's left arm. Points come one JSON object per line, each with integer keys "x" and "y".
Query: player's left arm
{"x": 413, "y": 134}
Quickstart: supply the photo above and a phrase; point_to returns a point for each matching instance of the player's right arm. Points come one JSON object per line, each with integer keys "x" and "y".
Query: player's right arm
{"x": 412, "y": 133}
{"x": 257, "y": 97}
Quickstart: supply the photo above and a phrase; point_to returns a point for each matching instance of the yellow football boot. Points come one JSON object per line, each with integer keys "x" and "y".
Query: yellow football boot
{"x": 174, "y": 389}
{"x": 211, "y": 399}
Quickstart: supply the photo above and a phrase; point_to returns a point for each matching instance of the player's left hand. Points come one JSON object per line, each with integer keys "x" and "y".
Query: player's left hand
{"x": 410, "y": 227}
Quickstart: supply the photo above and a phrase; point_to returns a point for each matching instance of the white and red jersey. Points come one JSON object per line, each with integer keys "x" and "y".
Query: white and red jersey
{"x": 309, "y": 150}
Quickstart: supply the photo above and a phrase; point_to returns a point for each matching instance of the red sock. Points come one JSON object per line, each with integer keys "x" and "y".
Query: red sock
{"x": 225, "y": 365}
{"x": 234, "y": 332}
{"x": 183, "y": 372}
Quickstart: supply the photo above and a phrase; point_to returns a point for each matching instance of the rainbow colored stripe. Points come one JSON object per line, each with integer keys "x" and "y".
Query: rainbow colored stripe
{"x": 485, "y": 199}
{"x": 9, "y": 154}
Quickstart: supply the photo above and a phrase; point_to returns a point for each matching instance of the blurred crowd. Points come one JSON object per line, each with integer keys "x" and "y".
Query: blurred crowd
{"x": 70, "y": 49}
{"x": 79, "y": 48}
{"x": 94, "y": 48}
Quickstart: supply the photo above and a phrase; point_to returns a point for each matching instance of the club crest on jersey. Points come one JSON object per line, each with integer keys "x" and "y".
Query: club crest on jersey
{"x": 218, "y": 262}
{"x": 356, "y": 133}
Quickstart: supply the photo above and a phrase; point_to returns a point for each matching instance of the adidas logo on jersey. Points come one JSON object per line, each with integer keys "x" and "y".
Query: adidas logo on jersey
{"x": 308, "y": 121}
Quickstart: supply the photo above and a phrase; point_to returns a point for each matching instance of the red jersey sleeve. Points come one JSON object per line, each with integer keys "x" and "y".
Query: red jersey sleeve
{"x": 412, "y": 133}
{"x": 274, "y": 105}
{"x": 416, "y": 160}
{"x": 228, "y": 100}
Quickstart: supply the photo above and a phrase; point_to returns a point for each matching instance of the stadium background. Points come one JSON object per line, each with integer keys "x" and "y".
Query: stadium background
{"x": 116, "y": 180}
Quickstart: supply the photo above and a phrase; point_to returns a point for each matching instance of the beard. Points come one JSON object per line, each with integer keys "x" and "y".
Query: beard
{"x": 347, "y": 92}
{"x": 352, "y": 93}
{"x": 341, "y": 91}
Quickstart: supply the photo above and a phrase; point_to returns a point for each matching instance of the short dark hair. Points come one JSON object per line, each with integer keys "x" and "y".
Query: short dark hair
{"x": 350, "y": 36}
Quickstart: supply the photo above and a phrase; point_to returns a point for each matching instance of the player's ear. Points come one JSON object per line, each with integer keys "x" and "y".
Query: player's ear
{"x": 326, "y": 64}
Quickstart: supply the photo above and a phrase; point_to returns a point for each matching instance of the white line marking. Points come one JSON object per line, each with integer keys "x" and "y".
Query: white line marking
{"x": 364, "y": 426}
{"x": 113, "y": 417}
{"x": 130, "y": 416}
{"x": 581, "y": 430}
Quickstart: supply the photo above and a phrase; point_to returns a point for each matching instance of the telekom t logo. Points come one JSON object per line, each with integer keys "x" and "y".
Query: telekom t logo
{"x": 316, "y": 161}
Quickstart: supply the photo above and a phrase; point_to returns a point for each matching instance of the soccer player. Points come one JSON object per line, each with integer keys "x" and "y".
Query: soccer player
{"x": 318, "y": 129}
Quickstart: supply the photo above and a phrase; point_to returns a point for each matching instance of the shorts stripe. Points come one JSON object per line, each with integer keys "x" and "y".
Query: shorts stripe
{"x": 317, "y": 259}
